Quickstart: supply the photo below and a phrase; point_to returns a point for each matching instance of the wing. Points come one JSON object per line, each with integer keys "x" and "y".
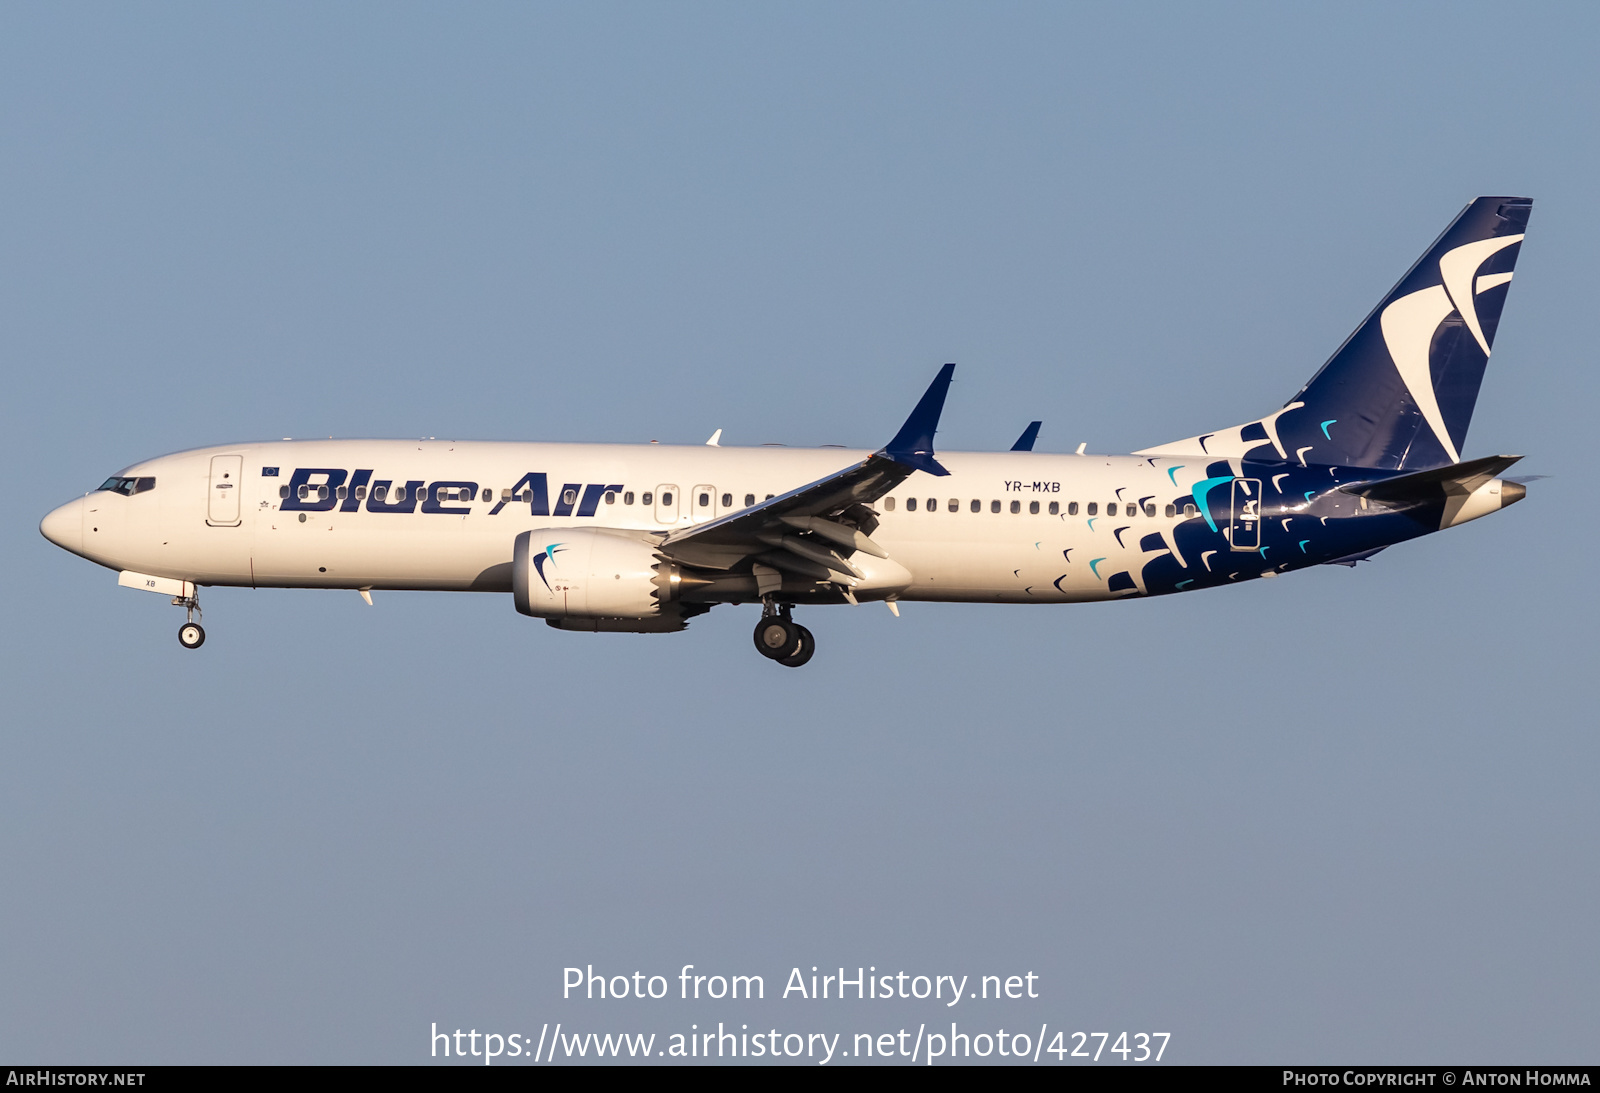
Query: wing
{"x": 810, "y": 532}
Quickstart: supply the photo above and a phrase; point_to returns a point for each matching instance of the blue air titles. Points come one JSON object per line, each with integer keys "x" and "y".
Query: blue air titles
{"x": 324, "y": 489}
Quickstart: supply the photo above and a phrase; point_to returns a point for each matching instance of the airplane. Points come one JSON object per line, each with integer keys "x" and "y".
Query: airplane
{"x": 642, "y": 538}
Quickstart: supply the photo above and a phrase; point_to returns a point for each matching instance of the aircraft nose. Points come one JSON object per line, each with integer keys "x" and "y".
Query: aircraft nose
{"x": 64, "y": 526}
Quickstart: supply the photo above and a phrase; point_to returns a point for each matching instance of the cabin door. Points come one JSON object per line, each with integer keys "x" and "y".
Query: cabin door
{"x": 222, "y": 506}
{"x": 1244, "y": 531}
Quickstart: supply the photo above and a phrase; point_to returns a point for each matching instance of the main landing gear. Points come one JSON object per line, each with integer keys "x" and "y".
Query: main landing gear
{"x": 778, "y": 637}
{"x": 191, "y": 635}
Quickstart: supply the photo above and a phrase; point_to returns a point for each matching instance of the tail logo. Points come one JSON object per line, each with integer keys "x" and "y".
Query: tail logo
{"x": 1410, "y": 322}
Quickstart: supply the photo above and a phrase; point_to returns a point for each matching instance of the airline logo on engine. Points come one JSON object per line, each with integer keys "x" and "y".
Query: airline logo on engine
{"x": 548, "y": 555}
{"x": 326, "y": 489}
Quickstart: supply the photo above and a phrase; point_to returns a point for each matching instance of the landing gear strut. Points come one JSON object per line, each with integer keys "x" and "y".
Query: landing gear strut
{"x": 778, "y": 637}
{"x": 191, "y": 635}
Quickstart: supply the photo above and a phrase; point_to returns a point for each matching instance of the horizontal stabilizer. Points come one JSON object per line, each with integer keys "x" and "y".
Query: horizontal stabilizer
{"x": 1350, "y": 560}
{"x": 1458, "y": 478}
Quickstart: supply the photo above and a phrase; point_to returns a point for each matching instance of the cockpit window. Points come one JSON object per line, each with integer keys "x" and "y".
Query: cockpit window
{"x": 128, "y": 486}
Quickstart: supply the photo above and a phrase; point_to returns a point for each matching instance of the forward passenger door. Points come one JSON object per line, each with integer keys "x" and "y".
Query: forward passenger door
{"x": 222, "y": 506}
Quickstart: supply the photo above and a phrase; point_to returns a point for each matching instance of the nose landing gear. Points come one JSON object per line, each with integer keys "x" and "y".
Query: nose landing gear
{"x": 778, "y": 637}
{"x": 191, "y": 635}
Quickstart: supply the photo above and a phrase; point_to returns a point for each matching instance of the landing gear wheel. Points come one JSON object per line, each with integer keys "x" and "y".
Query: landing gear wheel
{"x": 808, "y": 646}
{"x": 776, "y": 637}
{"x": 191, "y": 636}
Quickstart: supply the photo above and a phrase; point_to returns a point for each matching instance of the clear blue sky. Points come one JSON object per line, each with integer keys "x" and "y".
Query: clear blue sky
{"x": 1345, "y": 816}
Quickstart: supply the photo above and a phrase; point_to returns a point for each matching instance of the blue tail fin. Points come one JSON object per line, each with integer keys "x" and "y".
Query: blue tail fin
{"x": 1399, "y": 393}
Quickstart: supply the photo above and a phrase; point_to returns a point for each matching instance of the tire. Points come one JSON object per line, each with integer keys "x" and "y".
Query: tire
{"x": 776, "y": 637}
{"x": 191, "y": 636}
{"x": 808, "y": 646}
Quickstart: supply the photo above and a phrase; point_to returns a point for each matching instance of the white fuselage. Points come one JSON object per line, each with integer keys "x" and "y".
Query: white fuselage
{"x": 215, "y": 517}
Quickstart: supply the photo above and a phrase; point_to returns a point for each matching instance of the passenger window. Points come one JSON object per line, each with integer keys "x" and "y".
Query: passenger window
{"x": 1172, "y": 510}
{"x": 1033, "y": 508}
{"x": 379, "y": 493}
{"x": 302, "y": 493}
{"x": 1189, "y": 510}
{"x": 488, "y": 495}
{"x": 361, "y": 493}
{"x": 1072, "y": 508}
{"x": 647, "y": 499}
{"x": 627, "y": 498}
{"x": 569, "y": 497}
{"x": 888, "y": 504}
{"x": 283, "y": 491}
{"x": 505, "y": 495}
{"x": 954, "y": 505}
{"x": 666, "y": 499}
{"x": 977, "y": 506}
{"x": 611, "y": 497}
{"x": 1016, "y": 507}
{"x": 705, "y": 499}
{"x": 1094, "y": 508}
{"x": 769, "y": 497}
{"x": 749, "y": 499}
{"x": 933, "y": 504}
{"x": 727, "y": 500}
{"x": 1150, "y": 510}
{"x": 1055, "y": 508}
{"x": 994, "y": 506}
{"x": 911, "y": 504}
{"x": 341, "y": 493}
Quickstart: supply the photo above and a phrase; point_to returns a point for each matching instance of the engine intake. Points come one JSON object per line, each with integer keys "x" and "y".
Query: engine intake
{"x": 590, "y": 573}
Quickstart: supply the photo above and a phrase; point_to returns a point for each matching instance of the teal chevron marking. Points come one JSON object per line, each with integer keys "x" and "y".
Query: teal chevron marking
{"x": 1172, "y": 473}
{"x": 1093, "y": 564}
{"x": 1203, "y": 487}
{"x": 1303, "y": 543}
{"x": 1309, "y": 493}
{"x": 1092, "y": 519}
{"x": 1325, "y": 424}
{"x": 1180, "y": 584}
{"x": 1263, "y": 551}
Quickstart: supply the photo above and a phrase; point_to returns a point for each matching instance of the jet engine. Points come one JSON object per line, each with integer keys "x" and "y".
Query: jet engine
{"x": 594, "y": 579}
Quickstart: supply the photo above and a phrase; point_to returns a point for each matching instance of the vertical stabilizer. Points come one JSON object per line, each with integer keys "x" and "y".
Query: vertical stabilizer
{"x": 1399, "y": 393}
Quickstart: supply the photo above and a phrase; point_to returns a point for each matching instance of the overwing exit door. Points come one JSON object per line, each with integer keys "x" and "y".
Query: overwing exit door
{"x": 222, "y": 506}
{"x": 703, "y": 503}
{"x": 666, "y": 504}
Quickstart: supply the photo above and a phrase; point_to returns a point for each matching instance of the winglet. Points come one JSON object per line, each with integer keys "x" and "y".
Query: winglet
{"x": 912, "y": 446}
{"x": 716, "y": 439}
{"x": 1029, "y": 435}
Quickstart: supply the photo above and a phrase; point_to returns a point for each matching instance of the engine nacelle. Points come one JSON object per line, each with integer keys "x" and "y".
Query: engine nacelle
{"x": 588, "y": 573}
